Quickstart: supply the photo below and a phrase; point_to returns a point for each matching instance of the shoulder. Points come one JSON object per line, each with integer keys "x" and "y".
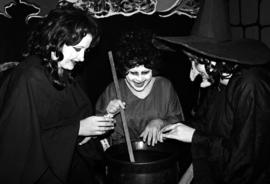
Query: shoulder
{"x": 251, "y": 78}
{"x": 250, "y": 81}
{"x": 163, "y": 82}
{"x": 28, "y": 71}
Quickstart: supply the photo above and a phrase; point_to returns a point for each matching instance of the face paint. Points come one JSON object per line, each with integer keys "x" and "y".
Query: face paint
{"x": 139, "y": 77}
{"x": 74, "y": 53}
{"x": 199, "y": 69}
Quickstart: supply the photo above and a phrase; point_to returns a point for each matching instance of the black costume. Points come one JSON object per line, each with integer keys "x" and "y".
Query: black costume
{"x": 231, "y": 143}
{"x": 39, "y": 127}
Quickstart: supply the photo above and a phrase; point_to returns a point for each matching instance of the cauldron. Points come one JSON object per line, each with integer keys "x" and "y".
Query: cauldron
{"x": 153, "y": 164}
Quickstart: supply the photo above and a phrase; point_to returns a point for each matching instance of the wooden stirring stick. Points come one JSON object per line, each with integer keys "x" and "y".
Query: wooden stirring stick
{"x": 118, "y": 94}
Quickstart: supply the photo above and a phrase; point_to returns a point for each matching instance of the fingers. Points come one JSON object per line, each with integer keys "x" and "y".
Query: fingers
{"x": 150, "y": 136}
{"x": 167, "y": 132}
{"x": 85, "y": 140}
{"x": 143, "y": 135}
{"x": 114, "y": 106}
{"x": 167, "y": 136}
{"x": 102, "y": 130}
{"x": 160, "y": 136}
{"x": 169, "y": 127}
{"x": 102, "y": 125}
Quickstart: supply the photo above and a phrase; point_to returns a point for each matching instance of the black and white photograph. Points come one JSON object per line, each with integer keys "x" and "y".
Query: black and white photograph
{"x": 134, "y": 92}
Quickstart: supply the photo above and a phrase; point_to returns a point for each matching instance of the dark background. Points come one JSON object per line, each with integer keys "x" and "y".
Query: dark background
{"x": 95, "y": 72}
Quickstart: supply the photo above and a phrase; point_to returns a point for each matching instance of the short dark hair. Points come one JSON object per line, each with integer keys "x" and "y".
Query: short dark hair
{"x": 135, "y": 48}
{"x": 63, "y": 25}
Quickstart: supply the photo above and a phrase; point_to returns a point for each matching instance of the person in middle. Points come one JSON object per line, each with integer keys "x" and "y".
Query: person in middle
{"x": 150, "y": 101}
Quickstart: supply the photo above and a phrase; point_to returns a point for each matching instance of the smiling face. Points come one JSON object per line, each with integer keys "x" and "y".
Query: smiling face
{"x": 139, "y": 77}
{"x": 74, "y": 53}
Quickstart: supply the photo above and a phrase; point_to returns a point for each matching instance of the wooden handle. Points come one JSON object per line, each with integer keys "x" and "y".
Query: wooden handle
{"x": 118, "y": 94}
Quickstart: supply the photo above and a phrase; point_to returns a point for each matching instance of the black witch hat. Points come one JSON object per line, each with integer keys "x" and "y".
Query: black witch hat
{"x": 211, "y": 37}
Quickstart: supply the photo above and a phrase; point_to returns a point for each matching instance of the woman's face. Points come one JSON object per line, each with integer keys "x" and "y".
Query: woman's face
{"x": 74, "y": 53}
{"x": 139, "y": 77}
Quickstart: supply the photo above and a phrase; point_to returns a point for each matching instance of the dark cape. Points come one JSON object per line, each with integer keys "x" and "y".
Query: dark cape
{"x": 231, "y": 144}
{"x": 39, "y": 126}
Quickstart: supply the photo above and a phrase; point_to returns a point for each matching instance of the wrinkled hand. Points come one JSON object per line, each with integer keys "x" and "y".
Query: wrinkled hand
{"x": 114, "y": 106}
{"x": 150, "y": 133}
{"x": 178, "y": 131}
{"x": 95, "y": 125}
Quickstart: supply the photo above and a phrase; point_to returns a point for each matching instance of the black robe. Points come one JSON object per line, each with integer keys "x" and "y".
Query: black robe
{"x": 231, "y": 143}
{"x": 39, "y": 126}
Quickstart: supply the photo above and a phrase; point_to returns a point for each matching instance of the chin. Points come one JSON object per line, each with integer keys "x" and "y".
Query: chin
{"x": 139, "y": 89}
{"x": 70, "y": 67}
{"x": 205, "y": 84}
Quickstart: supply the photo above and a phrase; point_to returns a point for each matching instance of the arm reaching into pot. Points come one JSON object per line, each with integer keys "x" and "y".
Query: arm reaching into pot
{"x": 178, "y": 131}
{"x": 150, "y": 133}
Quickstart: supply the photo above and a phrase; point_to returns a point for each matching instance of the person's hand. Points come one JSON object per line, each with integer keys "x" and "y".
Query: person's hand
{"x": 85, "y": 140}
{"x": 95, "y": 125}
{"x": 178, "y": 131}
{"x": 114, "y": 106}
{"x": 150, "y": 133}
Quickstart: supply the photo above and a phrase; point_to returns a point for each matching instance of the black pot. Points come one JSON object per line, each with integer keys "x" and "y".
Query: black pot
{"x": 153, "y": 164}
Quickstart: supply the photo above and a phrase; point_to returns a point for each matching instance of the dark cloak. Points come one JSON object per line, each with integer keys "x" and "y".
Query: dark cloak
{"x": 38, "y": 125}
{"x": 231, "y": 143}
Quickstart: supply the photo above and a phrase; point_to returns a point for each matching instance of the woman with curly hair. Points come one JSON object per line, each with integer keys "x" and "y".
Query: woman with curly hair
{"x": 44, "y": 114}
{"x": 150, "y": 101}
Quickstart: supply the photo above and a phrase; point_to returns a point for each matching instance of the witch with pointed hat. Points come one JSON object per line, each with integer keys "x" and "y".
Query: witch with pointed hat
{"x": 230, "y": 133}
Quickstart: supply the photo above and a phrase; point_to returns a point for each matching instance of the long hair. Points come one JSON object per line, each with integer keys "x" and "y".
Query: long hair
{"x": 135, "y": 48}
{"x": 66, "y": 25}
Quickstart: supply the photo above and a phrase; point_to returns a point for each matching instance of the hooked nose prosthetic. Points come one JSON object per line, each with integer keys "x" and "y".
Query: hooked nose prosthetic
{"x": 199, "y": 70}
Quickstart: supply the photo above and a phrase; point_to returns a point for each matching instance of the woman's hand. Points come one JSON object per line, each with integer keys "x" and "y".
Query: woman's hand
{"x": 114, "y": 106}
{"x": 85, "y": 140}
{"x": 150, "y": 133}
{"x": 178, "y": 131}
{"x": 95, "y": 125}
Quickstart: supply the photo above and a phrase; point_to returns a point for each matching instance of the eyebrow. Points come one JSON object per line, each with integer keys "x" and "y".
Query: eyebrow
{"x": 79, "y": 46}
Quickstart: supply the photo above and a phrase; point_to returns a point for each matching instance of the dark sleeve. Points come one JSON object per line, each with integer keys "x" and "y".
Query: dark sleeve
{"x": 31, "y": 137}
{"x": 21, "y": 155}
{"x": 239, "y": 156}
{"x": 59, "y": 136}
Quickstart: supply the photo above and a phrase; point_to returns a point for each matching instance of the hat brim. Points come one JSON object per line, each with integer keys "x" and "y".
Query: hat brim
{"x": 243, "y": 51}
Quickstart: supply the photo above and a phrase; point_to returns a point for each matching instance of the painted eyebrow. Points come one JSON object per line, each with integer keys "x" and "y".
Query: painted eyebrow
{"x": 79, "y": 47}
{"x": 146, "y": 71}
{"x": 140, "y": 72}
